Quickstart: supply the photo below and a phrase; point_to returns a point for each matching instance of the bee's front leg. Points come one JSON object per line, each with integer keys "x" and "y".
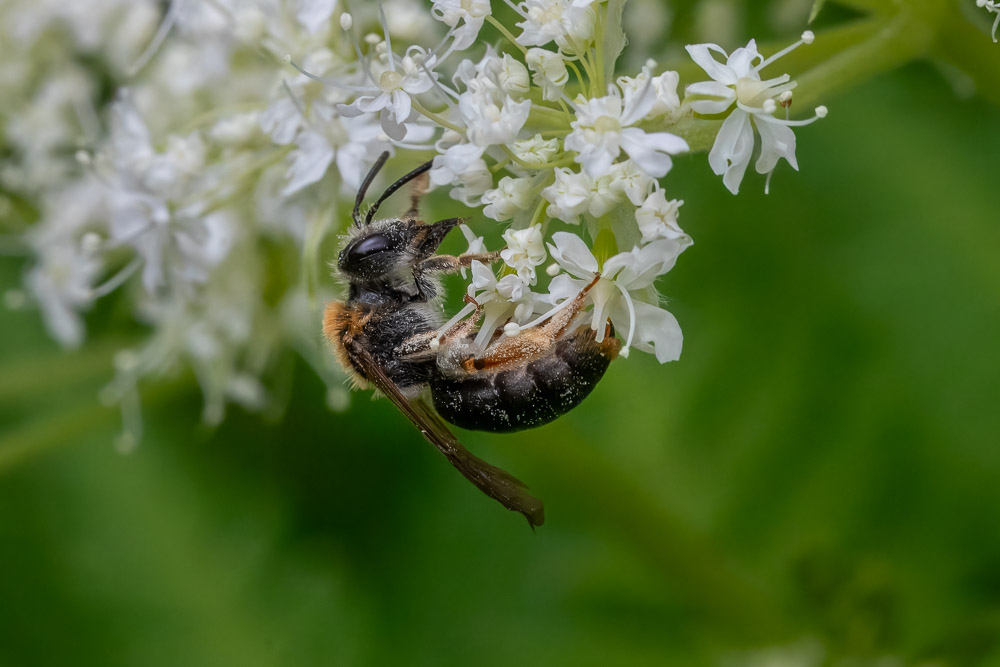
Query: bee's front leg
{"x": 446, "y": 264}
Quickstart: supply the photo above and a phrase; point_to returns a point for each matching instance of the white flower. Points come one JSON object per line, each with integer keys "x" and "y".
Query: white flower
{"x": 236, "y": 129}
{"x": 643, "y": 325}
{"x": 501, "y": 300}
{"x": 569, "y": 22}
{"x": 490, "y": 122}
{"x": 525, "y": 250}
{"x": 494, "y": 75}
{"x": 308, "y": 162}
{"x": 629, "y": 180}
{"x": 315, "y": 14}
{"x": 462, "y": 166}
{"x": 471, "y": 13}
{"x": 569, "y": 195}
{"x": 510, "y": 197}
{"x": 994, "y": 8}
{"x": 452, "y": 163}
{"x": 738, "y": 82}
{"x": 548, "y": 71}
{"x": 355, "y": 144}
{"x": 665, "y": 99}
{"x": 61, "y": 283}
{"x": 390, "y": 96}
{"x": 657, "y": 218}
{"x": 535, "y": 151}
{"x": 602, "y": 130}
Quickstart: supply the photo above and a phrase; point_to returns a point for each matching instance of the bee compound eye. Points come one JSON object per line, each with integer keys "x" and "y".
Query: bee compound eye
{"x": 368, "y": 246}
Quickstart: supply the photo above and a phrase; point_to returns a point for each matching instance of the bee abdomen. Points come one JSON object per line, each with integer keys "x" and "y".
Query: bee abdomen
{"x": 529, "y": 395}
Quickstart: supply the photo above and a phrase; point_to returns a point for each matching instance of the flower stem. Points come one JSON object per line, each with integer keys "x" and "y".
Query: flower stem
{"x": 506, "y": 33}
{"x": 440, "y": 120}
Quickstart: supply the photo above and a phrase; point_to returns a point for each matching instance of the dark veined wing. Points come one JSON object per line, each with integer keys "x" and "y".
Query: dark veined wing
{"x": 498, "y": 484}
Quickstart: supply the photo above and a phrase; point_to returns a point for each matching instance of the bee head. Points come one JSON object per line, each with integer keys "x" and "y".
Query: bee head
{"x": 378, "y": 250}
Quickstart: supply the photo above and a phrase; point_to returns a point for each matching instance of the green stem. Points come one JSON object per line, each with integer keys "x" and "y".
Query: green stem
{"x": 440, "y": 120}
{"x": 576, "y": 72}
{"x": 506, "y": 33}
{"x": 901, "y": 39}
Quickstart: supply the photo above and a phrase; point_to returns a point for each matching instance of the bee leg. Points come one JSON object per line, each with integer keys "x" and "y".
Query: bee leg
{"x": 418, "y": 347}
{"x": 465, "y": 327}
{"x": 446, "y": 264}
{"x": 423, "y": 345}
{"x": 451, "y": 264}
{"x": 417, "y": 191}
{"x": 510, "y": 351}
{"x": 561, "y": 320}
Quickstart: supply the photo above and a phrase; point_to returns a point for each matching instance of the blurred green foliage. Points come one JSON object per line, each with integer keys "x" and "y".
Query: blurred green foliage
{"x": 822, "y": 465}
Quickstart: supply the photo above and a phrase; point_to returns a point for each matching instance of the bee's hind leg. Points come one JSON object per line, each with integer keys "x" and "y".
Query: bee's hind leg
{"x": 530, "y": 343}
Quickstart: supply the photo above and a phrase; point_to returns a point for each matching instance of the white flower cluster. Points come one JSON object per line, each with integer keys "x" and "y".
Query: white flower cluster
{"x": 219, "y": 173}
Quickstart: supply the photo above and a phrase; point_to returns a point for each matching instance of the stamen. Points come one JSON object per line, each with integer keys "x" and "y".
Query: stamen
{"x": 535, "y": 322}
{"x": 820, "y": 112}
{"x": 385, "y": 31}
{"x": 323, "y": 79}
{"x": 117, "y": 280}
{"x": 459, "y": 316}
{"x": 295, "y": 101}
{"x": 807, "y": 38}
{"x": 169, "y": 19}
{"x": 90, "y": 242}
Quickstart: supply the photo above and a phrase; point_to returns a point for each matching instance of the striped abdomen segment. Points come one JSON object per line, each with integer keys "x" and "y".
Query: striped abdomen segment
{"x": 529, "y": 395}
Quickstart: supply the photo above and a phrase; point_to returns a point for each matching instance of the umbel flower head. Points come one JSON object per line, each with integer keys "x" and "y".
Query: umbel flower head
{"x": 248, "y": 126}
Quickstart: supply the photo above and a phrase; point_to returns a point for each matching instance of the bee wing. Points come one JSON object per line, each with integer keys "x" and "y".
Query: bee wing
{"x": 496, "y": 483}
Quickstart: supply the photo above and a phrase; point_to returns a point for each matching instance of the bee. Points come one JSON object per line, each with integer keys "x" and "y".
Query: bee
{"x": 388, "y": 336}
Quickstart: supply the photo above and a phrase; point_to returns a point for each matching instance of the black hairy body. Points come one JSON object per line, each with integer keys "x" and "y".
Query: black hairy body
{"x": 387, "y": 334}
{"x": 529, "y": 395}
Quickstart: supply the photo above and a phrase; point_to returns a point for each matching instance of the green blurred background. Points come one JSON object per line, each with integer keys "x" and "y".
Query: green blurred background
{"x": 816, "y": 481}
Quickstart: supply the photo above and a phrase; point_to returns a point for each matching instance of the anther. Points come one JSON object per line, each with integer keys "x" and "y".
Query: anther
{"x": 808, "y": 36}
{"x": 512, "y": 328}
{"x": 769, "y": 106}
{"x": 90, "y": 242}
{"x": 821, "y": 111}
{"x": 552, "y": 270}
{"x": 346, "y": 21}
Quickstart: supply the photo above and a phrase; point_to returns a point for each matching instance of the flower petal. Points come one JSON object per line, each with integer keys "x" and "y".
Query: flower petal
{"x": 701, "y": 55}
{"x": 731, "y": 151}
{"x": 573, "y": 255}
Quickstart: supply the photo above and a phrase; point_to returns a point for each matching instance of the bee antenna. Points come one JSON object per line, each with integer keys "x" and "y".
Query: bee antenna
{"x": 365, "y": 184}
{"x": 390, "y": 190}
